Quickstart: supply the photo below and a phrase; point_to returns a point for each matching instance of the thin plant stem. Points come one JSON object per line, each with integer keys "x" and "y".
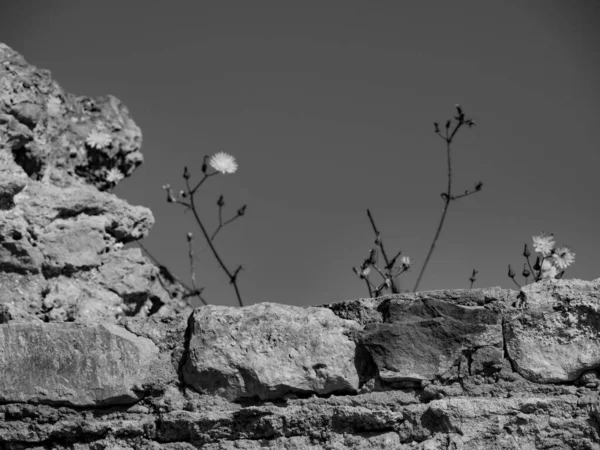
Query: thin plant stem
{"x": 447, "y": 196}
{"x": 190, "y": 292}
{"x": 232, "y": 277}
{"x": 388, "y": 266}
{"x": 444, "y": 212}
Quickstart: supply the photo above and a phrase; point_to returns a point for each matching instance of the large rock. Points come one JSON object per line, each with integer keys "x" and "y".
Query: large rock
{"x": 555, "y": 337}
{"x": 61, "y": 233}
{"x": 416, "y": 338}
{"x": 268, "y": 350}
{"x": 73, "y": 364}
{"x": 56, "y": 136}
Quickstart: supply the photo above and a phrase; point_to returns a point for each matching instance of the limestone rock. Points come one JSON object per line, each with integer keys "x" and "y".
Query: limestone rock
{"x": 61, "y": 234}
{"x": 56, "y": 136}
{"x": 556, "y": 337}
{"x": 268, "y": 350}
{"x": 422, "y": 339}
{"x": 72, "y": 364}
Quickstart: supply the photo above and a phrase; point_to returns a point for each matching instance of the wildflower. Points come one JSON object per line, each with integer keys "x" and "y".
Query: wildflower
{"x": 224, "y": 163}
{"x": 405, "y": 260}
{"x": 549, "y": 271}
{"x": 365, "y": 272}
{"x": 114, "y": 175}
{"x": 118, "y": 245}
{"x": 544, "y": 243}
{"x": 98, "y": 139}
{"x": 563, "y": 257}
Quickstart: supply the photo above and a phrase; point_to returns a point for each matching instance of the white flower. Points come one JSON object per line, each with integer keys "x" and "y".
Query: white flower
{"x": 224, "y": 163}
{"x": 98, "y": 139}
{"x": 118, "y": 246}
{"x": 405, "y": 260}
{"x": 114, "y": 175}
{"x": 563, "y": 257}
{"x": 549, "y": 271}
{"x": 544, "y": 243}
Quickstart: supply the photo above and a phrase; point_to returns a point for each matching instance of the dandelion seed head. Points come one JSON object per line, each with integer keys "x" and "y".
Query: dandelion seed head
{"x": 224, "y": 163}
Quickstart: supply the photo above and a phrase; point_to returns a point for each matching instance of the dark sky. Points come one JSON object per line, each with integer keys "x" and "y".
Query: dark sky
{"x": 328, "y": 107}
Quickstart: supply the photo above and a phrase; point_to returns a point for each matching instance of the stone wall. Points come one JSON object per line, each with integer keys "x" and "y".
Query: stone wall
{"x": 97, "y": 352}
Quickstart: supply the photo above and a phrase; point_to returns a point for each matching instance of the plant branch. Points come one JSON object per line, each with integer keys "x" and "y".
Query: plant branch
{"x": 447, "y": 196}
{"x": 190, "y": 292}
{"x": 379, "y": 242}
{"x": 232, "y": 277}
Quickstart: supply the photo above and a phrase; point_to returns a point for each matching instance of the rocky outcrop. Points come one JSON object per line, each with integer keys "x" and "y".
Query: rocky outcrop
{"x": 96, "y": 354}
{"x": 61, "y": 231}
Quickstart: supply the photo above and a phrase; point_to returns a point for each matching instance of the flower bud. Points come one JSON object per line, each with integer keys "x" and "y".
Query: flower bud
{"x": 241, "y": 211}
{"x": 447, "y": 124}
{"x": 526, "y": 253}
{"x": 182, "y": 194}
{"x": 511, "y": 274}
{"x": 189, "y": 236}
{"x": 205, "y": 164}
{"x": 526, "y": 272}
{"x": 220, "y": 202}
{"x": 537, "y": 266}
{"x": 186, "y": 174}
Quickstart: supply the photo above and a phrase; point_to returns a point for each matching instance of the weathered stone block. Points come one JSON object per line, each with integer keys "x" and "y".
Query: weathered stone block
{"x": 557, "y": 336}
{"x": 267, "y": 350}
{"x": 72, "y": 364}
{"x": 422, "y": 339}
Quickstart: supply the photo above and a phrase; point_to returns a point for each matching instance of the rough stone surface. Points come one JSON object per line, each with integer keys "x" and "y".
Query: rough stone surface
{"x": 268, "y": 350}
{"x": 72, "y": 364}
{"x": 557, "y": 337}
{"x": 61, "y": 232}
{"x": 99, "y": 351}
{"x": 422, "y": 340}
